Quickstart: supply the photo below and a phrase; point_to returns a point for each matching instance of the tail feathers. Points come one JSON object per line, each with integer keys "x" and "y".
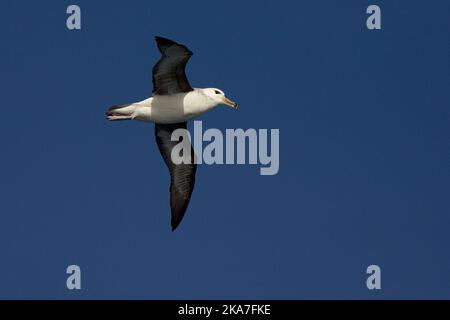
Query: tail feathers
{"x": 118, "y": 112}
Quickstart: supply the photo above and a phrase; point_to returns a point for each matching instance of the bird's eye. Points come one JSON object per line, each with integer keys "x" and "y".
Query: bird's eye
{"x": 217, "y": 92}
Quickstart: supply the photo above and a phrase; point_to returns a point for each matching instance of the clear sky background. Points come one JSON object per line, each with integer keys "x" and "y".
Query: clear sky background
{"x": 364, "y": 151}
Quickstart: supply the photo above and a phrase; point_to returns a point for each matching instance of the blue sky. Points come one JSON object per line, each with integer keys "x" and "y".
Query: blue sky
{"x": 364, "y": 152}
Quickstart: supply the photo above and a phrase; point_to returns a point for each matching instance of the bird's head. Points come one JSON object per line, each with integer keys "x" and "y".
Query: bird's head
{"x": 218, "y": 97}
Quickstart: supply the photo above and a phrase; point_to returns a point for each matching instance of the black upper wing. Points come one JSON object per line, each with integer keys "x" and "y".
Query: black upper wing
{"x": 182, "y": 176}
{"x": 169, "y": 75}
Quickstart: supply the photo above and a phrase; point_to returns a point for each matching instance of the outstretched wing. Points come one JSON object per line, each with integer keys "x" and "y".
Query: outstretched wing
{"x": 182, "y": 176}
{"x": 169, "y": 75}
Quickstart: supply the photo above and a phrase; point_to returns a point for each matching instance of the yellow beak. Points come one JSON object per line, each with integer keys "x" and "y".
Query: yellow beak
{"x": 229, "y": 103}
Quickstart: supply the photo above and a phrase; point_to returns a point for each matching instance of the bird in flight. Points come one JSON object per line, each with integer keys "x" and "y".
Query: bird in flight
{"x": 171, "y": 105}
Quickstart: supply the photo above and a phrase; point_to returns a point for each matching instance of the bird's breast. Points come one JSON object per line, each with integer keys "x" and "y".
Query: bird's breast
{"x": 173, "y": 108}
{"x": 195, "y": 103}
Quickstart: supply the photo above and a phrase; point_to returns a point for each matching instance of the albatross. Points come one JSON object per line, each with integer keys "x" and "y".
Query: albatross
{"x": 172, "y": 104}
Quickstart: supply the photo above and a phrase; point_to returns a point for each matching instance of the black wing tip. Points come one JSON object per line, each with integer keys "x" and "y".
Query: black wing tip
{"x": 164, "y": 43}
{"x": 178, "y": 215}
{"x": 175, "y": 225}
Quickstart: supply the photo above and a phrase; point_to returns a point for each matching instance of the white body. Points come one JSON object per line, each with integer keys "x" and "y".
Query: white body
{"x": 168, "y": 108}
